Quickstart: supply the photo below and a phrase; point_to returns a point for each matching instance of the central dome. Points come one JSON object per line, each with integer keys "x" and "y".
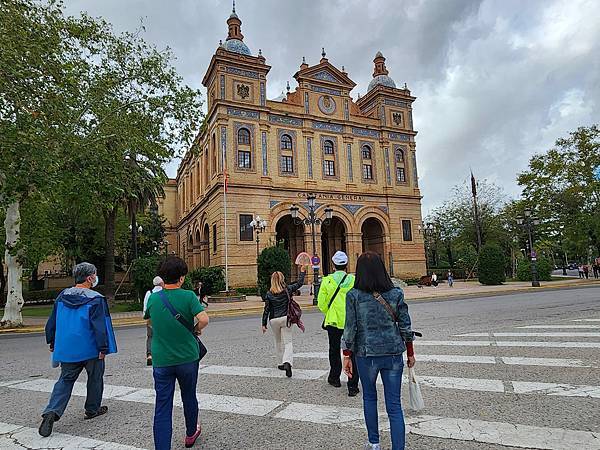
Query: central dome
{"x": 381, "y": 80}
{"x": 236, "y": 46}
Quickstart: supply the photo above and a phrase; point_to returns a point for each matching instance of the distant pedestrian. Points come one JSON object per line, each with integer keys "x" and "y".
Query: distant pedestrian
{"x": 586, "y": 271}
{"x": 80, "y": 334}
{"x": 378, "y": 330}
{"x": 580, "y": 270}
{"x": 175, "y": 351}
{"x": 596, "y": 269}
{"x": 275, "y": 313}
{"x": 434, "y": 281}
{"x": 332, "y": 303}
{"x": 201, "y": 293}
{"x": 158, "y": 284}
{"x": 450, "y": 279}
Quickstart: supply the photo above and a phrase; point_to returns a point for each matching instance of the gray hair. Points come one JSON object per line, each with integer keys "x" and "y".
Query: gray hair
{"x": 83, "y": 270}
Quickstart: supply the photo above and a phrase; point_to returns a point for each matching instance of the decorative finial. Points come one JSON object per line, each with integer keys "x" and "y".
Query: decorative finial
{"x": 303, "y": 60}
{"x": 260, "y": 52}
{"x": 405, "y": 86}
{"x": 220, "y": 42}
{"x": 343, "y": 69}
{"x": 359, "y": 95}
{"x": 288, "y": 87}
{"x": 233, "y": 11}
{"x": 323, "y": 54}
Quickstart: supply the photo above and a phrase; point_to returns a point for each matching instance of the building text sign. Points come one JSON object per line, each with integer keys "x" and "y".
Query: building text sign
{"x": 329, "y": 196}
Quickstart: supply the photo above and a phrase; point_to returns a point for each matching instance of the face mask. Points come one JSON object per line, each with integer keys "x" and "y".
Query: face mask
{"x": 95, "y": 283}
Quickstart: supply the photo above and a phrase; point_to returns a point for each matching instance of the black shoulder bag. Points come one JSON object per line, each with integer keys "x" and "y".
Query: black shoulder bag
{"x": 339, "y": 286}
{"x": 201, "y": 347}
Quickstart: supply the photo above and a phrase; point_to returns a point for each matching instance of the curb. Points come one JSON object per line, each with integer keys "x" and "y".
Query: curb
{"x": 135, "y": 321}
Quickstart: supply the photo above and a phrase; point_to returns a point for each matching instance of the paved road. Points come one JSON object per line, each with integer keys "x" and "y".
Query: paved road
{"x": 499, "y": 372}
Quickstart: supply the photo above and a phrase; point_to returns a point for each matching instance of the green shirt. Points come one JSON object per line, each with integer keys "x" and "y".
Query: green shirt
{"x": 336, "y": 315}
{"x": 172, "y": 343}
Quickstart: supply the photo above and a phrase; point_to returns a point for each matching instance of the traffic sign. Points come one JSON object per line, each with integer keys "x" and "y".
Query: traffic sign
{"x": 315, "y": 260}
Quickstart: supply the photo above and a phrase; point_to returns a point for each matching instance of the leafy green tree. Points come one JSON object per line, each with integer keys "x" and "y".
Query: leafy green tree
{"x": 492, "y": 265}
{"x": 561, "y": 188}
{"x": 143, "y": 271}
{"x": 39, "y": 101}
{"x": 272, "y": 259}
{"x": 212, "y": 279}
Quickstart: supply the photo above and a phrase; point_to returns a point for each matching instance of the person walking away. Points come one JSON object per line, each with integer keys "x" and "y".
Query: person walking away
{"x": 596, "y": 269}
{"x": 586, "y": 271}
{"x": 378, "y": 330}
{"x": 434, "y": 281}
{"x": 450, "y": 279}
{"x": 80, "y": 334}
{"x": 175, "y": 352}
{"x": 332, "y": 303}
{"x": 158, "y": 284}
{"x": 580, "y": 270}
{"x": 275, "y": 313}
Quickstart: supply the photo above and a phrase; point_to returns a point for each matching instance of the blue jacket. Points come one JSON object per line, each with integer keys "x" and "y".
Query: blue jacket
{"x": 80, "y": 326}
{"x": 370, "y": 330}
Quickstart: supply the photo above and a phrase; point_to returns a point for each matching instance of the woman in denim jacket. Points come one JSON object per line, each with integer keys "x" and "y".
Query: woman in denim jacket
{"x": 378, "y": 343}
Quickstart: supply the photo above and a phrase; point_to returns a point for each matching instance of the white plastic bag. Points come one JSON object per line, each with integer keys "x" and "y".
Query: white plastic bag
{"x": 415, "y": 399}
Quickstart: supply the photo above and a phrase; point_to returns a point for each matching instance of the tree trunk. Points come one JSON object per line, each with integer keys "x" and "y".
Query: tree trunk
{"x": 14, "y": 301}
{"x": 110, "y": 219}
{"x": 2, "y": 277}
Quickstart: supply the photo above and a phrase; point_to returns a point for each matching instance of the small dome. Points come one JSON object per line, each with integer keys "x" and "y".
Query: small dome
{"x": 280, "y": 98}
{"x": 237, "y": 46}
{"x": 234, "y": 16}
{"x": 379, "y": 55}
{"x": 383, "y": 80}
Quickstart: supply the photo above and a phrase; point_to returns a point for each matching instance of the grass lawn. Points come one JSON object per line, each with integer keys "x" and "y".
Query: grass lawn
{"x": 45, "y": 310}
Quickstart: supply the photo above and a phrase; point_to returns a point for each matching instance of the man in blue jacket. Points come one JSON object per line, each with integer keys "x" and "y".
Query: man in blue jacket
{"x": 80, "y": 334}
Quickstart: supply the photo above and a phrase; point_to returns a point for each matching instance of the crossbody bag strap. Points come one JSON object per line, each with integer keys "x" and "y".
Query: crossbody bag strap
{"x": 174, "y": 312}
{"x": 339, "y": 286}
{"x": 387, "y": 306}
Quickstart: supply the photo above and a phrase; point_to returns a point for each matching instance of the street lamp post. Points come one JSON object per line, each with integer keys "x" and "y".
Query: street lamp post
{"x": 428, "y": 230}
{"x": 528, "y": 223}
{"x": 313, "y": 221}
{"x": 135, "y": 229}
{"x": 259, "y": 226}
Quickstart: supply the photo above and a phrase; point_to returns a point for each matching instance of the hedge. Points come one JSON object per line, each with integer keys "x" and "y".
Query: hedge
{"x": 544, "y": 269}
{"x": 491, "y": 265}
{"x": 272, "y": 259}
{"x": 212, "y": 278}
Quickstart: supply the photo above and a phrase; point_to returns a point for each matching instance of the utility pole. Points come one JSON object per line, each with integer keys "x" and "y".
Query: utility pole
{"x": 476, "y": 212}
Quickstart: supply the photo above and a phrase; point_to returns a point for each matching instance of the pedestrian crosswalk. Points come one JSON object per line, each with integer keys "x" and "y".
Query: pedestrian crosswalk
{"x": 460, "y": 426}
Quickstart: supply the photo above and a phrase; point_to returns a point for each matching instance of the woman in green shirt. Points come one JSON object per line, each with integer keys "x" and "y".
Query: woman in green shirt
{"x": 175, "y": 352}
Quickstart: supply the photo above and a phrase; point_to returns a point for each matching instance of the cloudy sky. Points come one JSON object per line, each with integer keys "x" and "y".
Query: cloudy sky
{"x": 496, "y": 80}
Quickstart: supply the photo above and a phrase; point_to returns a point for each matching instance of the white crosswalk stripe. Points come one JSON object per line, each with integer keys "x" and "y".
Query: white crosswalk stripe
{"x": 479, "y": 359}
{"x": 559, "y": 327}
{"x": 550, "y": 334}
{"x": 586, "y": 320}
{"x": 516, "y": 435}
{"x": 547, "y": 344}
{"x": 18, "y": 437}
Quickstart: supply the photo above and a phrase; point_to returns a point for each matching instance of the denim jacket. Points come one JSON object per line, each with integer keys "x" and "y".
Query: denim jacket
{"x": 370, "y": 330}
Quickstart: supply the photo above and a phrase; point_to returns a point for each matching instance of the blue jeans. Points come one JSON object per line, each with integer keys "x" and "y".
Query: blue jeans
{"x": 164, "y": 385}
{"x": 69, "y": 372}
{"x": 390, "y": 368}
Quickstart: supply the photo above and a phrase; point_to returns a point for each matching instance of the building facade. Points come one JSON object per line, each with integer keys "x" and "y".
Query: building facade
{"x": 357, "y": 157}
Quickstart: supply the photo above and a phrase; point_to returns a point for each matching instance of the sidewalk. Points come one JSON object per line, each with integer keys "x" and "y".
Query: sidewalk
{"x": 254, "y": 305}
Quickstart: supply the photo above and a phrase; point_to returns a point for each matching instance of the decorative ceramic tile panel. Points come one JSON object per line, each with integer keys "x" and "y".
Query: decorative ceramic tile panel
{"x": 263, "y": 95}
{"x": 334, "y": 127}
{"x": 265, "y": 163}
{"x": 388, "y": 175}
{"x": 241, "y": 72}
{"x": 223, "y": 148}
{"x": 243, "y": 113}
{"x": 222, "y": 87}
{"x": 389, "y": 101}
{"x": 365, "y": 132}
{"x": 352, "y": 208}
{"x": 274, "y": 118}
{"x": 399, "y": 136}
{"x": 349, "y": 152}
{"x": 346, "y": 110}
{"x": 325, "y": 90}
{"x": 273, "y": 203}
{"x": 326, "y": 76}
{"x": 309, "y": 157}
{"x": 306, "y": 106}
{"x": 383, "y": 208}
{"x": 415, "y": 173}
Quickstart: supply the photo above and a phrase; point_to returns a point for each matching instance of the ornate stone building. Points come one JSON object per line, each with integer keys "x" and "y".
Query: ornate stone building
{"x": 357, "y": 157}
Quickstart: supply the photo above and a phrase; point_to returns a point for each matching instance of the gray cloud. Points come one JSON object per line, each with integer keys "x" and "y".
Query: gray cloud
{"x": 495, "y": 81}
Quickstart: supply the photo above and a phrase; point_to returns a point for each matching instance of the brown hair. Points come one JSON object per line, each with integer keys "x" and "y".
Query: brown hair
{"x": 277, "y": 283}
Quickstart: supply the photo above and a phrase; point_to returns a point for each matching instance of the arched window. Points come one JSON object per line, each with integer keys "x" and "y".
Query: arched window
{"x": 286, "y": 142}
{"x": 328, "y": 147}
{"x": 366, "y": 152}
{"x": 243, "y": 136}
{"x": 399, "y": 156}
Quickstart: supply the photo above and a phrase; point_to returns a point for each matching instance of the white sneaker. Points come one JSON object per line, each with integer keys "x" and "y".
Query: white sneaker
{"x": 369, "y": 446}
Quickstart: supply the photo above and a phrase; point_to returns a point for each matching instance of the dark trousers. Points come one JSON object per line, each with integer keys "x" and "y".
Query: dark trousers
{"x": 164, "y": 385}
{"x": 335, "y": 357}
{"x": 69, "y": 372}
